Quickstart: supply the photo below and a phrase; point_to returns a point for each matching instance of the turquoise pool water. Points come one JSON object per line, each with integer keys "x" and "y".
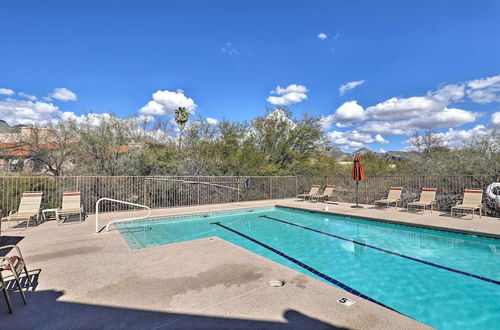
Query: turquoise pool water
{"x": 445, "y": 280}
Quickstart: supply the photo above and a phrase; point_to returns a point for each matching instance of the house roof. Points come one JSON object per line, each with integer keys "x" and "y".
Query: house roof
{"x": 17, "y": 149}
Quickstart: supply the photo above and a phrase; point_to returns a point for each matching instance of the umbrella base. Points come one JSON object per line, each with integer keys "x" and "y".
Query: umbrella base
{"x": 357, "y": 207}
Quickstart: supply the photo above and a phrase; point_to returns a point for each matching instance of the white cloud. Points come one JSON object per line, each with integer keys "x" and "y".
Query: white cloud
{"x": 448, "y": 117}
{"x": 27, "y": 112}
{"x": 380, "y": 139}
{"x": 447, "y": 94}
{"x": 484, "y": 83}
{"x": 350, "y": 85}
{"x": 62, "y": 94}
{"x": 212, "y": 121}
{"x": 495, "y": 120}
{"x": 290, "y": 95}
{"x": 6, "y": 91}
{"x": 487, "y": 95}
{"x": 165, "y": 102}
{"x": 91, "y": 118}
{"x": 458, "y": 138}
{"x": 486, "y": 90}
{"x": 348, "y": 113}
{"x": 403, "y": 108}
{"x": 405, "y": 115}
{"x": 322, "y": 36}
{"x": 27, "y": 96}
{"x": 353, "y": 139}
{"x": 385, "y": 127}
{"x": 280, "y": 116}
{"x": 229, "y": 50}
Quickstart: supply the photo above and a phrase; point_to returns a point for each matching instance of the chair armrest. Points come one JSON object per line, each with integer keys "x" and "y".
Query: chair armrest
{"x": 15, "y": 247}
{"x": 9, "y": 262}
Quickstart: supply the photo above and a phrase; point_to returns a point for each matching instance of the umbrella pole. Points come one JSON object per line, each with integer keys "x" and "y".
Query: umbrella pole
{"x": 357, "y": 206}
{"x": 357, "y": 192}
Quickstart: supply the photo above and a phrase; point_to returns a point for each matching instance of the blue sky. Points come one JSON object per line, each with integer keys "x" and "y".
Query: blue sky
{"x": 418, "y": 64}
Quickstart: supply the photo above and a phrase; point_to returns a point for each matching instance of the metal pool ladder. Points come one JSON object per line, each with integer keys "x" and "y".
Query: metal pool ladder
{"x": 116, "y": 221}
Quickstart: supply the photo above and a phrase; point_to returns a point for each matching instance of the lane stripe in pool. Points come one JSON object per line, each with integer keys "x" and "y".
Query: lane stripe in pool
{"x": 386, "y": 251}
{"x": 306, "y": 267}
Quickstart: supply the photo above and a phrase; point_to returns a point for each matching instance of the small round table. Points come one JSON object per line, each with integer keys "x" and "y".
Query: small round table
{"x": 56, "y": 212}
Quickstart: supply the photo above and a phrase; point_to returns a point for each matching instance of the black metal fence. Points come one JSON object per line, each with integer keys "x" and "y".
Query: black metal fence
{"x": 170, "y": 191}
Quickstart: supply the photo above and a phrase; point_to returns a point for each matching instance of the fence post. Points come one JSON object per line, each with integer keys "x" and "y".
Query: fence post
{"x": 366, "y": 191}
{"x": 145, "y": 187}
{"x": 198, "y": 190}
{"x": 270, "y": 187}
{"x": 296, "y": 185}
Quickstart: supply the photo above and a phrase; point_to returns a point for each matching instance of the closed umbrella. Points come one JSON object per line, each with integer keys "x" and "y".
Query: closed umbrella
{"x": 357, "y": 174}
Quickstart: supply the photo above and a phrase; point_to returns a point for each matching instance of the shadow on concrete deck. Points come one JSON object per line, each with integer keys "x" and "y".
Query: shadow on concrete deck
{"x": 8, "y": 240}
{"x": 44, "y": 311}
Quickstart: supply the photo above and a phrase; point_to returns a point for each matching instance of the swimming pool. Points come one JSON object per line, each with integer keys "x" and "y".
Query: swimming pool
{"x": 442, "y": 279}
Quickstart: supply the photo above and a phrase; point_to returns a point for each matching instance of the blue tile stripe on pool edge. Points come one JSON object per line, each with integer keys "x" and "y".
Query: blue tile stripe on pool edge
{"x": 389, "y": 222}
{"x": 306, "y": 267}
{"x": 384, "y": 250}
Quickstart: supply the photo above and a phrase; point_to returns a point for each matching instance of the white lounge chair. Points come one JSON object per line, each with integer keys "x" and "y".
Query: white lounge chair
{"x": 313, "y": 192}
{"x": 71, "y": 204}
{"x": 325, "y": 194}
{"x": 29, "y": 208}
{"x": 394, "y": 197}
{"x": 427, "y": 198}
{"x": 473, "y": 200}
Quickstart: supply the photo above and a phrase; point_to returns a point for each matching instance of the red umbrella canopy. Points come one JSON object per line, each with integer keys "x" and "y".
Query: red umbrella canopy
{"x": 357, "y": 169}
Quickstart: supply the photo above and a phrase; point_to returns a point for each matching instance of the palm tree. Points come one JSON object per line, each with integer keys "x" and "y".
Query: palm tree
{"x": 181, "y": 117}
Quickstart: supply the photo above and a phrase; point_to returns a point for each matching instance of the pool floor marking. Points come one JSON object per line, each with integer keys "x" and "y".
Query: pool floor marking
{"x": 306, "y": 267}
{"x": 386, "y": 251}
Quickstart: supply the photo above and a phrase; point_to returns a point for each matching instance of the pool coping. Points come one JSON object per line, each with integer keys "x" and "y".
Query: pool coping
{"x": 400, "y": 223}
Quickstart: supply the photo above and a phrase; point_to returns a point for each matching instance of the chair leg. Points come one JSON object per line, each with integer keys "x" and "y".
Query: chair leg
{"x": 7, "y": 299}
{"x": 28, "y": 278}
{"x": 19, "y": 286}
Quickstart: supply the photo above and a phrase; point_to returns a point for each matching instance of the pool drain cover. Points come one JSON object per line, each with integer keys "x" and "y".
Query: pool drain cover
{"x": 277, "y": 283}
{"x": 346, "y": 301}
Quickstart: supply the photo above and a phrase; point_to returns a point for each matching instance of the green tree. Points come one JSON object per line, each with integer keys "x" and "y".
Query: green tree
{"x": 286, "y": 142}
{"x": 108, "y": 146}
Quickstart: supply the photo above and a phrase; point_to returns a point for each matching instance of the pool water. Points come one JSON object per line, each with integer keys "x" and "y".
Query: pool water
{"x": 445, "y": 280}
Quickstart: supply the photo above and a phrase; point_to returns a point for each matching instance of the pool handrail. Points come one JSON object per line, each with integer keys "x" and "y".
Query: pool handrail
{"x": 116, "y": 221}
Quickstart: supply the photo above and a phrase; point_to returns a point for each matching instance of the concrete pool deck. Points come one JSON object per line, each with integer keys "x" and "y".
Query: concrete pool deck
{"x": 88, "y": 280}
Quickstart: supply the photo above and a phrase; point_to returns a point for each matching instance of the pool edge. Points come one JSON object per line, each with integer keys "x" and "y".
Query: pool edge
{"x": 395, "y": 222}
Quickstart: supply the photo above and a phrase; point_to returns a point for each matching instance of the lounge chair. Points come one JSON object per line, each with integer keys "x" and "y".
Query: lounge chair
{"x": 325, "y": 195}
{"x": 29, "y": 207}
{"x": 16, "y": 265}
{"x": 394, "y": 197}
{"x": 427, "y": 198}
{"x": 313, "y": 192}
{"x": 71, "y": 204}
{"x": 472, "y": 201}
